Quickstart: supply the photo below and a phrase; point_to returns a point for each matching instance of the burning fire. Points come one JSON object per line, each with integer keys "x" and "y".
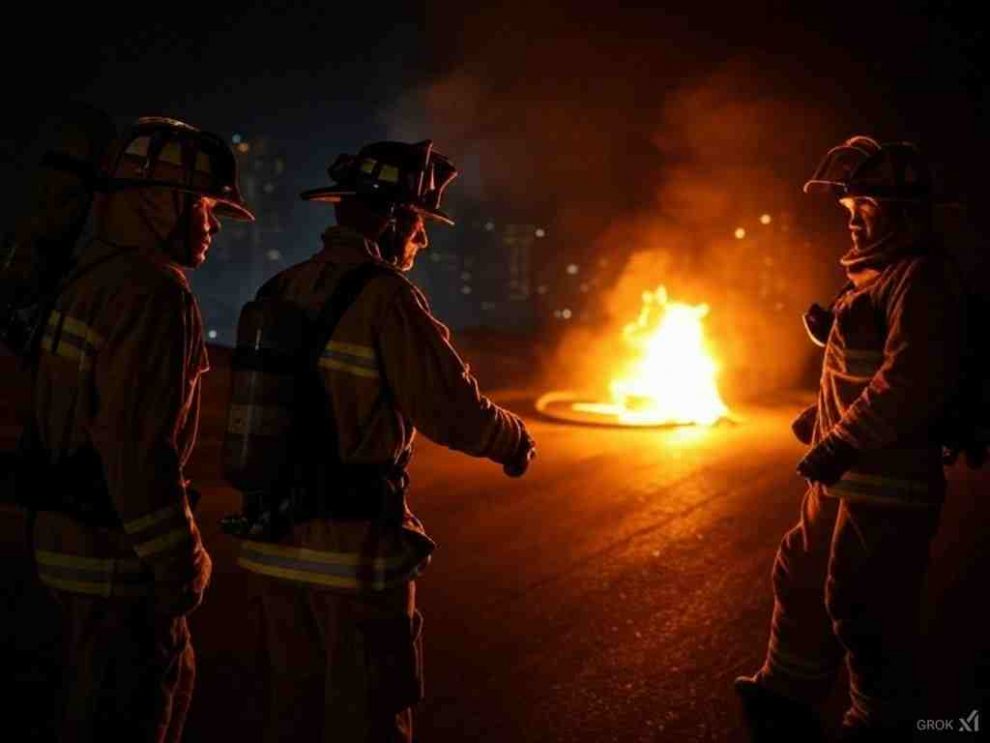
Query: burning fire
{"x": 671, "y": 376}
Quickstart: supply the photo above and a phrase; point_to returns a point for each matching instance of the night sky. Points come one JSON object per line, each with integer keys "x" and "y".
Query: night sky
{"x": 586, "y": 119}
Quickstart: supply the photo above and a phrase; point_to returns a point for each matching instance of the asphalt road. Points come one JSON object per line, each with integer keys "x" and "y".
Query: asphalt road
{"x": 612, "y": 594}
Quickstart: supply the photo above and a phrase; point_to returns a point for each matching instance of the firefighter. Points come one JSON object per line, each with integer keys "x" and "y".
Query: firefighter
{"x": 848, "y": 577}
{"x": 335, "y": 594}
{"x": 55, "y": 205}
{"x": 116, "y": 403}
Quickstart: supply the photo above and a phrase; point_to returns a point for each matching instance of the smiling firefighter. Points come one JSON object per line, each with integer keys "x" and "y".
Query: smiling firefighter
{"x": 847, "y": 579}
{"x": 116, "y": 402}
{"x": 339, "y": 362}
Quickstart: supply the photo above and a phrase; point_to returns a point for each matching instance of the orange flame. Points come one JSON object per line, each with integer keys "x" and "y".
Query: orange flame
{"x": 672, "y": 375}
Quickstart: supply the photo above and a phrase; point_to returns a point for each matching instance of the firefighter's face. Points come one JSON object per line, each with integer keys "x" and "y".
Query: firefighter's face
{"x": 411, "y": 234}
{"x": 203, "y": 225}
{"x": 868, "y": 220}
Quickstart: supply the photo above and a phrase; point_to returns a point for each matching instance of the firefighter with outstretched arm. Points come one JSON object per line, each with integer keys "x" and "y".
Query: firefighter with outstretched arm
{"x": 335, "y": 555}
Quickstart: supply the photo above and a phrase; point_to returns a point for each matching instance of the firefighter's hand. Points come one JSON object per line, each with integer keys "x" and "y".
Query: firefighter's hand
{"x": 827, "y": 461}
{"x": 525, "y": 453}
{"x": 804, "y": 425}
{"x": 180, "y": 592}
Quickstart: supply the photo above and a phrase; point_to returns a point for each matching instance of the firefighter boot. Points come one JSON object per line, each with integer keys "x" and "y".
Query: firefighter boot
{"x": 771, "y": 717}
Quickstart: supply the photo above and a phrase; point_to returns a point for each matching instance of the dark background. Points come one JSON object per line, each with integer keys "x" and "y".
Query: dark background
{"x": 636, "y": 139}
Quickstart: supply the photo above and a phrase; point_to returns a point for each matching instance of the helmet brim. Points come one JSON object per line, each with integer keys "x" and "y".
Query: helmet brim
{"x": 435, "y": 214}
{"x": 224, "y": 207}
{"x": 333, "y": 195}
{"x": 233, "y": 210}
{"x": 829, "y": 188}
{"x": 327, "y": 195}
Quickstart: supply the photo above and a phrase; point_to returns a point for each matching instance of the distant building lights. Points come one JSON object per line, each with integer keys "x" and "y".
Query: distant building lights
{"x": 566, "y": 314}
{"x": 212, "y": 335}
{"x": 274, "y": 255}
{"x": 465, "y": 289}
{"x": 584, "y": 288}
{"x": 765, "y": 219}
{"x": 243, "y": 147}
{"x": 572, "y": 269}
{"x": 541, "y": 289}
{"x": 489, "y": 226}
{"x": 740, "y": 233}
{"x": 540, "y": 232}
{"x": 236, "y": 139}
{"x": 465, "y": 276}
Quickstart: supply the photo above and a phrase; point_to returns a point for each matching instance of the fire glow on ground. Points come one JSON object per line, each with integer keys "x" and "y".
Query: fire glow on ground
{"x": 669, "y": 377}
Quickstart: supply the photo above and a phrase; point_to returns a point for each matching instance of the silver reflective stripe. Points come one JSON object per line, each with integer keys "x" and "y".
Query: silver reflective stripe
{"x": 164, "y": 542}
{"x": 93, "y": 575}
{"x": 877, "y": 489}
{"x": 333, "y": 569}
{"x": 159, "y": 530}
{"x": 144, "y": 522}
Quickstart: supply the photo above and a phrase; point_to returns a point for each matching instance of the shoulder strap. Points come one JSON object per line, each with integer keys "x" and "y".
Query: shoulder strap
{"x": 347, "y": 290}
{"x": 340, "y": 300}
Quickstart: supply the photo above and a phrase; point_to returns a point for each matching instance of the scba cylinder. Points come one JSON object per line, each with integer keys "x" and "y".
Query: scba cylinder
{"x": 264, "y": 394}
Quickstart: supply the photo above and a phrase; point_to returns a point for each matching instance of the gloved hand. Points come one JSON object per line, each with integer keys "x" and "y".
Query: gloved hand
{"x": 804, "y": 425}
{"x": 827, "y": 461}
{"x": 524, "y": 454}
{"x": 179, "y": 589}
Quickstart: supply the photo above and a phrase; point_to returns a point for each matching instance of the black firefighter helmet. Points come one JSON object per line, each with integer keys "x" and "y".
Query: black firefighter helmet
{"x": 161, "y": 152}
{"x": 862, "y": 166}
{"x": 392, "y": 173}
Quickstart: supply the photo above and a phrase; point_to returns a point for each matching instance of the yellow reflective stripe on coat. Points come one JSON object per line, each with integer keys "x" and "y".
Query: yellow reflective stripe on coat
{"x": 878, "y": 489}
{"x": 344, "y": 570}
{"x": 121, "y": 576}
{"x": 350, "y": 358}
{"x": 71, "y": 339}
{"x": 137, "y": 525}
{"x": 159, "y": 530}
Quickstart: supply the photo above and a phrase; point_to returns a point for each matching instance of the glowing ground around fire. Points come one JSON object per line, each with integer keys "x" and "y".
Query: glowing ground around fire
{"x": 567, "y": 406}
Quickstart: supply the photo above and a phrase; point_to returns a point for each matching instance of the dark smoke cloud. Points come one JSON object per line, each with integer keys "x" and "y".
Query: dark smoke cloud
{"x": 651, "y": 147}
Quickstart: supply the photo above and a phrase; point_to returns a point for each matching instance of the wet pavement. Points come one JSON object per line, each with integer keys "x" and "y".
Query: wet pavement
{"x": 610, "y": 595}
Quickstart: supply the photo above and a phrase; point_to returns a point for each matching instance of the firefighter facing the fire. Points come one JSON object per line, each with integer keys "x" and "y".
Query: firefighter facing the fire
{"x": 847, "y": 579}
{"x": 116, "y": 404}
{"x": 334, "y": 590}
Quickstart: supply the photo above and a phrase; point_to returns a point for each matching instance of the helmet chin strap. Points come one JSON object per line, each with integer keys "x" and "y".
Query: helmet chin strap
{"x": 180, "y": 229}
{"x": 182, "y": 201}
{"x": 388, "y": 240}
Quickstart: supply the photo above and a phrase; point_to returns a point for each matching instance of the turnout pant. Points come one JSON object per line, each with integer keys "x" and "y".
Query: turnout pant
{"x": 129, "y": 675}
{"x": 847, "y": 584}
{"x": 339, "y": 667}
